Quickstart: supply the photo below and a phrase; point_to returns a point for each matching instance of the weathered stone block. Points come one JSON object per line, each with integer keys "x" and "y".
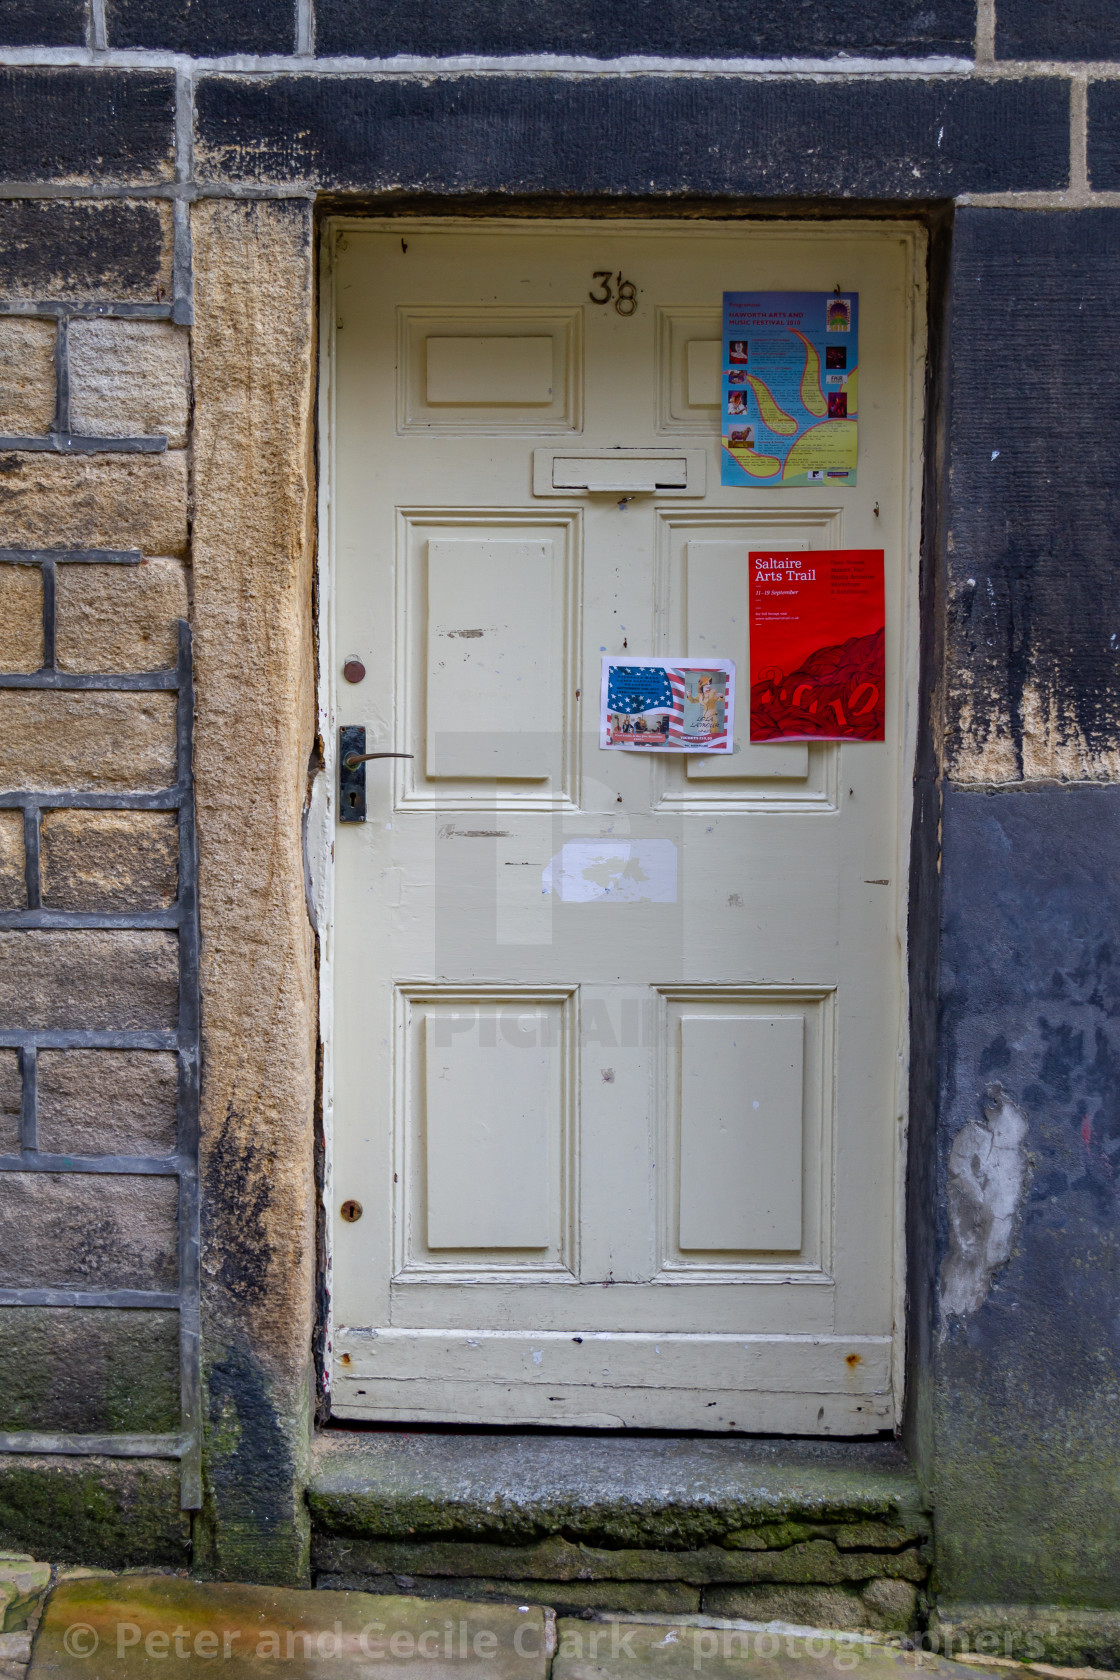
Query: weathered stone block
{"x": 87, "y": 125}
{"x": 205, "y": 29}
{"x": 89, "y": 1370}
{"x": 95, "y": 501}
{"x": 15, "y": 1653}
{"x": 11, "y": 1101}
{"x": 899, "y": 137}
{"x": 129, "y": 379}
{"x": 107, "y": 1102}
{"x": 559, "y": 1560}
{"x": 311, "y": 1635}
{"x": 87, "y": 1231}
{"x": 23, "y": 1581}
{"x": 13, "y": 886}
{"x": 85, "y": 248}
{"x": 120, "y": 618}
{"x": 893, "y": 1603}
{"x": 876, "y": 1536}
{"x": 880, "y": 28}
{"x": 21, "y": 617}
{"x": 663, "y": 1597}
{"x": 110, "y": 860}
{"x": 97, "y": 741}
{"x": 806, "y": 1606}
{"x": 602, "y": 1649}
{"x": 43, "y": 23}
{"x": 111, "y": 1511}
{"x": 26, "y": 376}
{"x": 91, "y": 978}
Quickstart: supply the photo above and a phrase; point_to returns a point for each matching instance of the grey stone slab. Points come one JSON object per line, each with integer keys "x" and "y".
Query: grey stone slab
{"x": 643, "y": 1492}
{"x": 132, "y": 1623}
{"x": 625, "y": 1650}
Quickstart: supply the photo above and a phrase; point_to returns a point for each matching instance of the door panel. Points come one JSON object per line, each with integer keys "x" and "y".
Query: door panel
{"x": 614, "y": 1044}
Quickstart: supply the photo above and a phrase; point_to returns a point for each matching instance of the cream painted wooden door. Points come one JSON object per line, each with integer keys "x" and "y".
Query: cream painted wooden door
{"x": 615, "y": 1045}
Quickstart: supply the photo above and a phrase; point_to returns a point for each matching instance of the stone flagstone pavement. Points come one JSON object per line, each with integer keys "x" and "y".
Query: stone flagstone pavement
{"x": 93, "y": 1625}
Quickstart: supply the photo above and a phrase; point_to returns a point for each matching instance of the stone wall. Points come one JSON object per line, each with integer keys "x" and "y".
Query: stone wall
{"x": 160, "y": 168}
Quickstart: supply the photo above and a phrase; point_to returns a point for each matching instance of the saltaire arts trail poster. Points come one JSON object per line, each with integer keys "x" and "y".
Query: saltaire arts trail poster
{"x": 817, "y": 622}
{"x": 790, "y": 387}
{"x": 667, "y": 705}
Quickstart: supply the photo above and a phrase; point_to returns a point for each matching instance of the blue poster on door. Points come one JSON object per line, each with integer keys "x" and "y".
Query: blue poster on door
{"x": 789, "y": 388}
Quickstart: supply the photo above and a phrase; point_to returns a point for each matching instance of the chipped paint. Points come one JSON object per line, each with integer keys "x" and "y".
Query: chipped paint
{"x": 987, "y": 1178}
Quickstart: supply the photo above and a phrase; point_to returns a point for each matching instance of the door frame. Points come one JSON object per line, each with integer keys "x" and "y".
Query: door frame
{"x": 320, "y": 813}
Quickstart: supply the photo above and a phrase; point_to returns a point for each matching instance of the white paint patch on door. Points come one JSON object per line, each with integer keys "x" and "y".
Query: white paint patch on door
{"x": 612, "y": 871}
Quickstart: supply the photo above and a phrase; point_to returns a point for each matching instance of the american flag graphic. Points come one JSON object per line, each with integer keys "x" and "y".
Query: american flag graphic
{"x": 654, "y": 697}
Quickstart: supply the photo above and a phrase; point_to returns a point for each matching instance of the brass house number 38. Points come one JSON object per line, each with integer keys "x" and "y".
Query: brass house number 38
{"x": 614, "y": 289}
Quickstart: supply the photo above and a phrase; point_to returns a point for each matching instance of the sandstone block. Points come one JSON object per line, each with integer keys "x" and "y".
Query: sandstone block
{"x": 89, "y": 1370}
{"x": 95, "y": 501}
{"x": 86, "y": 1231}
{"x": 277, "y": 1630}
{"x": 13, "y": 886}
{"x": 805, "y": 1606}
{"x": 129, "y": 379}
{"x": 91, "y": 978}
{"x": 110, "y": 860}
{"x": 892, "y": 1604}
{"x": 112, "y": 1511}
{"x": 26, "y": 377}
{"x": 85, "y": 248}
{"x": 877, "y": 1536}
{"x": 11, "y": 1101}
{"x": 21, "y": 617}
{"x": 107, "y": 1102}
{"x": 120, "y": 618}
{"x": 657, "y": 1597}
{"x": 95, "y": 741}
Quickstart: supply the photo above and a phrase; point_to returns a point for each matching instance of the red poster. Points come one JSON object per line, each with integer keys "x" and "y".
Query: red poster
{"x": 817, "y": 642}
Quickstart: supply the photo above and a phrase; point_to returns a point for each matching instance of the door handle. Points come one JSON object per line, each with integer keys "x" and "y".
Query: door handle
{"x": 352, "y": 761}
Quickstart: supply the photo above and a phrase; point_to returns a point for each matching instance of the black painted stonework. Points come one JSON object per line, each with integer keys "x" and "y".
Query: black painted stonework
{"x": 59, "y": 249}
{"x": 886, "y": 139}
{"x": 203, "y": 27}
{"x": 710, "y": 29}
{"x": 1104, "y": 136}
{"x": 1028, "y": 1457}
{"x": 86, "y": 124}
{"x": 42, "y": 23}
{"x": 1036, "y": 526}
{"x": 1074, "y": 29}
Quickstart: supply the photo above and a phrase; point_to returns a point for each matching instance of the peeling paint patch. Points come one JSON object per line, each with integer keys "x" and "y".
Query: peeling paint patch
{"x": 987, "y": 1178}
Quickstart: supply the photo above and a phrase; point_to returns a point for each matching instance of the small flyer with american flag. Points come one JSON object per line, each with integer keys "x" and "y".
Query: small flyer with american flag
{"x": 667, "y": 705}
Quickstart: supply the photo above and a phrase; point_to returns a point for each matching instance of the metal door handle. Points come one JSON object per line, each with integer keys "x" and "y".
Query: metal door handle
{"x": 352, "y": 760}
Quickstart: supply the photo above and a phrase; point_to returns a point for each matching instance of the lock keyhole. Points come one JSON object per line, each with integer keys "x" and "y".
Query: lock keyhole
{"x": 353, "y": 799}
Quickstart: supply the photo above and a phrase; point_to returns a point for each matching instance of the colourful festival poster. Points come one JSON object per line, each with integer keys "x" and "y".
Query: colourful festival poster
{"x": 790, "y": 388}
{"x": 667, "y": 705}
{"x": 818, "y": 631}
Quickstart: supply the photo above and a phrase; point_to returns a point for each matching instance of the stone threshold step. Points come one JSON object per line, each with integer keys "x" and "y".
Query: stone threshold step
{"x": 634, "y": 1491}
{"x": 822, "y": 1532}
